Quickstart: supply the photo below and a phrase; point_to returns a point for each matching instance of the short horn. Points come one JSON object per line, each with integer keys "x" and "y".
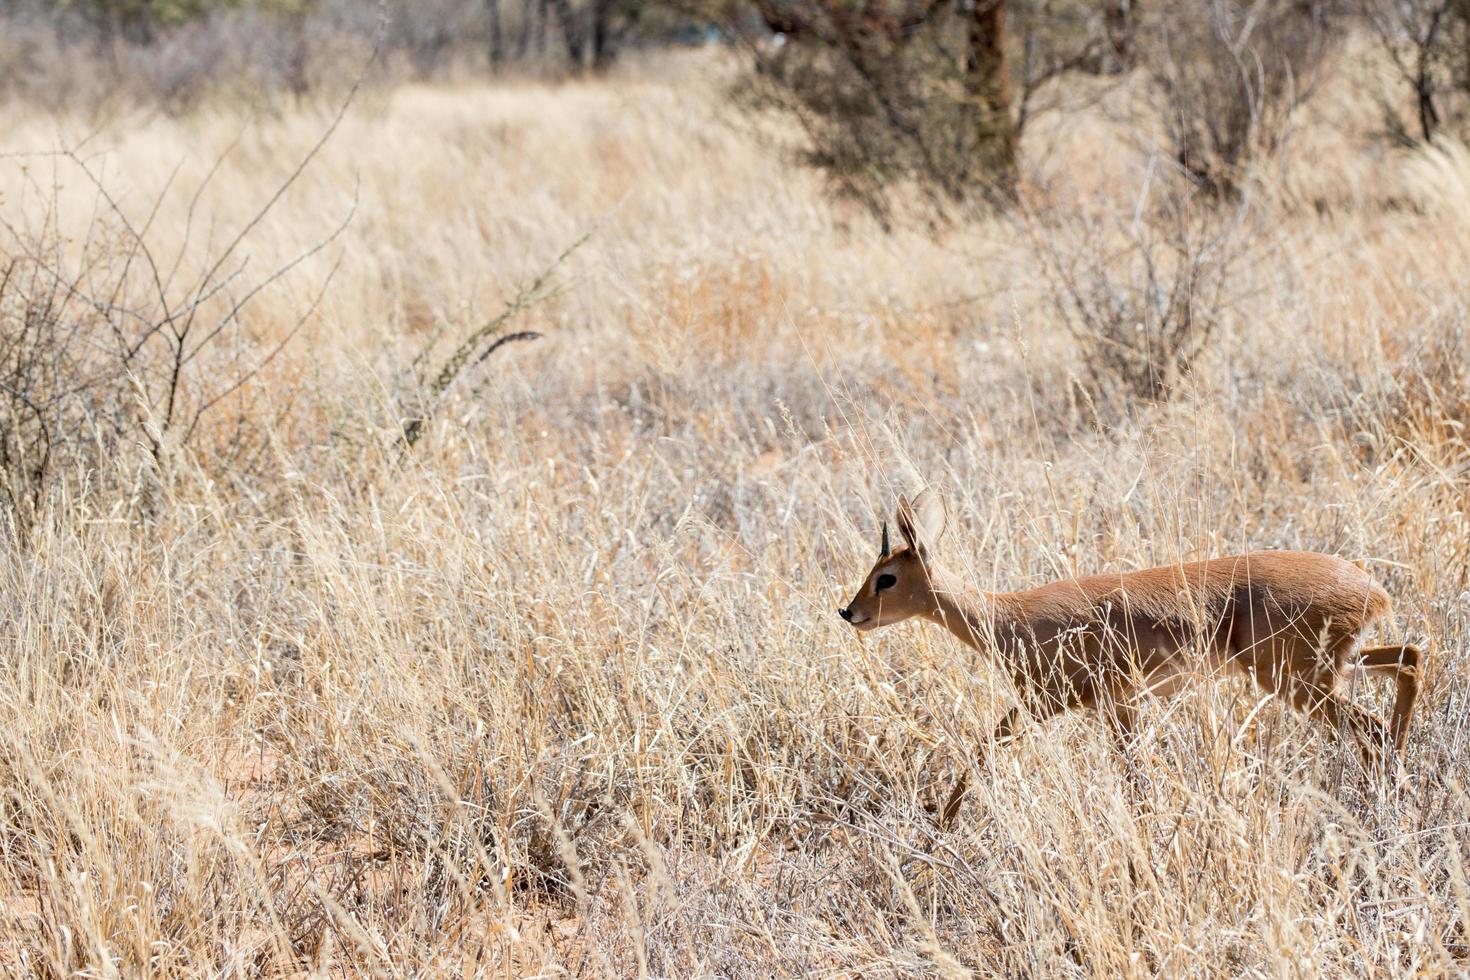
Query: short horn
{"x": 885, "y": 540}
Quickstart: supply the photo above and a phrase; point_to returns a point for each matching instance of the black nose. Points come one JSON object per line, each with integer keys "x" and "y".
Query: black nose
{"x": 845, "y": 614}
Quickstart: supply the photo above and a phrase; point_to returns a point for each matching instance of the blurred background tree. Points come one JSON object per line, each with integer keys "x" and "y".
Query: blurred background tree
{"x": 890, "y": 89}
{"x": 1428, "y": 44}
{"x": 935, "y": 93}
{"x": 140, "y": 21}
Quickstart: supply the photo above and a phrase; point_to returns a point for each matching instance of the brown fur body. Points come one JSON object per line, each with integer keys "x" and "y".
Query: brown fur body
{"x": 1260, "y": 613}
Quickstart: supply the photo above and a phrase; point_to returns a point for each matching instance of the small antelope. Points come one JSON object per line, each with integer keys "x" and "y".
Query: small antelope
{"x": 1290, "y": 620}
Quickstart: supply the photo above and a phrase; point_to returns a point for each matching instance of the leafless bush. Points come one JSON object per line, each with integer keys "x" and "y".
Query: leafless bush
{"x": 113, "y": 353}
{"x": 1141, "y": 293}
{"x": 54, "y": 406}
{"x": 1228, "y": 77}
{"x": 54, "y": 57}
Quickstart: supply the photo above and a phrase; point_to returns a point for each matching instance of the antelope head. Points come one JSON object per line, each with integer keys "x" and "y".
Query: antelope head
{"x": 900, "y": 585}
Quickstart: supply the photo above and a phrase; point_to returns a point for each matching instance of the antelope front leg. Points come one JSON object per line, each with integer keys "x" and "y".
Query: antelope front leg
{"x": 1122, "y": 718}
{"x": 1404, "y": 663}
{"x": 1121, "y": 714}
{"x": 1005, "y": 731}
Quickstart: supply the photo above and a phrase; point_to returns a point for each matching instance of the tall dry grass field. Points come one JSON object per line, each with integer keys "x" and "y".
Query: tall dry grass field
{"x": 560, "y": 689}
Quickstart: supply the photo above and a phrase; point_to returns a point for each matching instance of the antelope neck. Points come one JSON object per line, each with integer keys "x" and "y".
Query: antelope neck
{"x": 965, "y": 611}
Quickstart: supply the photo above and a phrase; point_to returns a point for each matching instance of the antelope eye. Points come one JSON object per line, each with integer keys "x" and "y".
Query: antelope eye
{"x": 885, "y": 581}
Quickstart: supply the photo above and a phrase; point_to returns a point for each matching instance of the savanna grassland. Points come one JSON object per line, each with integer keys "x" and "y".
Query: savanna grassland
{"x": 559, "y": 688}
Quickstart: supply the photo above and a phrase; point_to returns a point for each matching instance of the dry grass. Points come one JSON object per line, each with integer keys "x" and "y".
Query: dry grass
{"x": 563, "y": 691}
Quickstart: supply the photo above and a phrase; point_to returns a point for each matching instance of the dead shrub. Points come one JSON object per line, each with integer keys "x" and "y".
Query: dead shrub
{"x": 57, "y": 407}
{"x": 115, "y": 358}
{"x": 1228, "y": 77}
{"x": 1142, "y": 292}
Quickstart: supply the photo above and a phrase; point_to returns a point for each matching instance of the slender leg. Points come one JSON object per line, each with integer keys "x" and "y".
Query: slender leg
{"x": 1122, "y": 718}
{"x": 1325, "y": 706}
{"x": 1007, "y": 730}
{"x": 1403, "y": 662}
{"x": 956, "y": 797}
{"x": 1121, "y": 714}
{"x": 1004, "y": 732}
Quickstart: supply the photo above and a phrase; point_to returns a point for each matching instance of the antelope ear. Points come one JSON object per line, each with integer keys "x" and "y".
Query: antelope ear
{"x": 922, "y": 521}
{"x": 901, "y": 518}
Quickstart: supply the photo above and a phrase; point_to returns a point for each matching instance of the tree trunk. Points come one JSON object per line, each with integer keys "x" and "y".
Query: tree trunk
{"x": 298, "y": 56}
{"x": 523, "y": 38}
{"x": 602, "y": 47}
{"x": 1424, "y": 80}
{"x": 1118, "y": 29}
{"x": 571, "y": 32}
{"x": 988, "y": 84}
{"x": 497, "y": 39}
